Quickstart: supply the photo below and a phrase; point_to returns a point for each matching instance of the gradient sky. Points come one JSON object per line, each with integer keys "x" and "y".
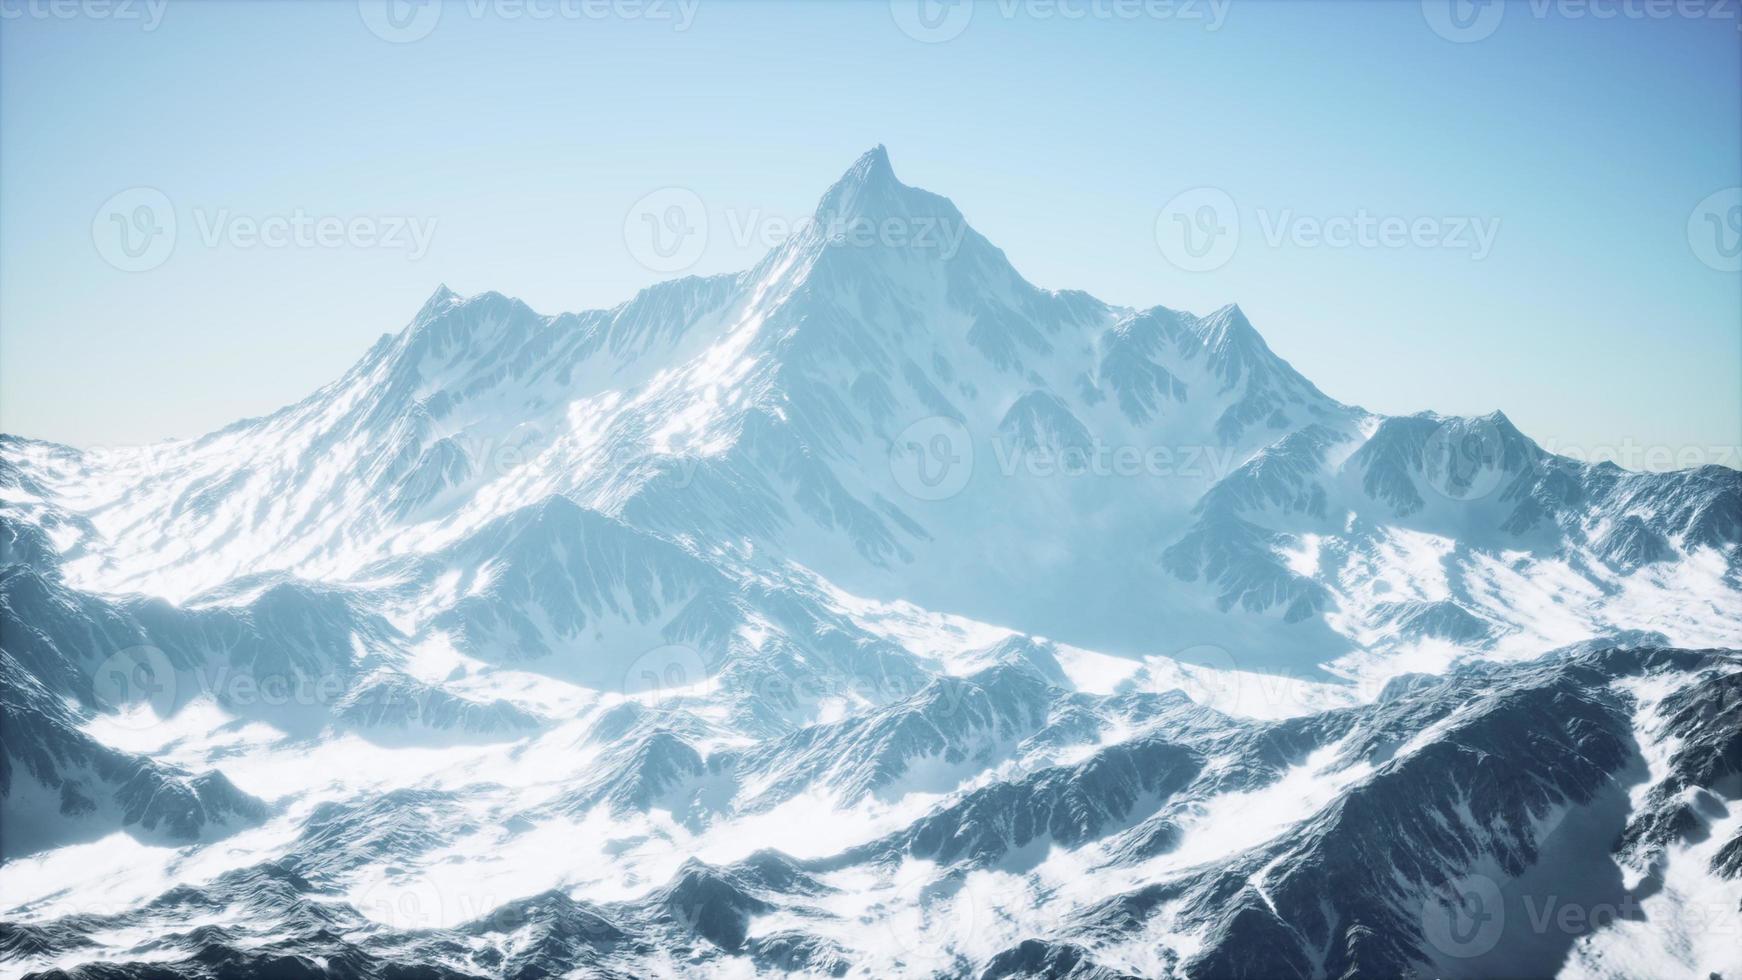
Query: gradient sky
{"x": 1592, "y": 321}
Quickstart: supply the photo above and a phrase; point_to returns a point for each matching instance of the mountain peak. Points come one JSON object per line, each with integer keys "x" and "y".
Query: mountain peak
{"x": 872, "y": 167}
{"x": 869, "y": 190}
{"x": 1230, "y": 321}
{"x": 1231, "y": 337}
{"x": 441, "y": 299}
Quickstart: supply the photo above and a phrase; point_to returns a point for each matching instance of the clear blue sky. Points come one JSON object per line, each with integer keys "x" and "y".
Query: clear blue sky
{"x": 1591, "y": 141}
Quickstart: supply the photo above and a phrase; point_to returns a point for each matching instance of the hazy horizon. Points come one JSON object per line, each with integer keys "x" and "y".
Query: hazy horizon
{"x": 1549, "y": 264}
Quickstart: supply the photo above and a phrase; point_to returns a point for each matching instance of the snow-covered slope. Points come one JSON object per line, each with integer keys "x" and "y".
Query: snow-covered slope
{"x": 873, "y": 612}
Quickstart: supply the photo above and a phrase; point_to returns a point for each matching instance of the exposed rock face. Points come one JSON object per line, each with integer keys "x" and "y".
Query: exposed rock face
{"x": 873, "y": 612}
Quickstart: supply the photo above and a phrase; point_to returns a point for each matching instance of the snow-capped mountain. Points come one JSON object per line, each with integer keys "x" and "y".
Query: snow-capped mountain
{"x": 872, "y": 612}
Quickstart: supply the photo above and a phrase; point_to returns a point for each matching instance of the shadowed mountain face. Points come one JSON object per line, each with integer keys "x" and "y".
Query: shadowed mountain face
{"x": 871, "y": 612}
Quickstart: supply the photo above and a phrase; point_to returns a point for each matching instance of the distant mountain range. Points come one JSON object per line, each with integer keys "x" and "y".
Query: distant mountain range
{"x": 872, "y": 612}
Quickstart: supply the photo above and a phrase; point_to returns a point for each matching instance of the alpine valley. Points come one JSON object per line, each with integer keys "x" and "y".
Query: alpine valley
{"x": 869, "y": 613}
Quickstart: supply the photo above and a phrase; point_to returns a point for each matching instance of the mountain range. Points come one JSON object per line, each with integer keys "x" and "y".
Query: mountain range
{"x": 871, "y": 612}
